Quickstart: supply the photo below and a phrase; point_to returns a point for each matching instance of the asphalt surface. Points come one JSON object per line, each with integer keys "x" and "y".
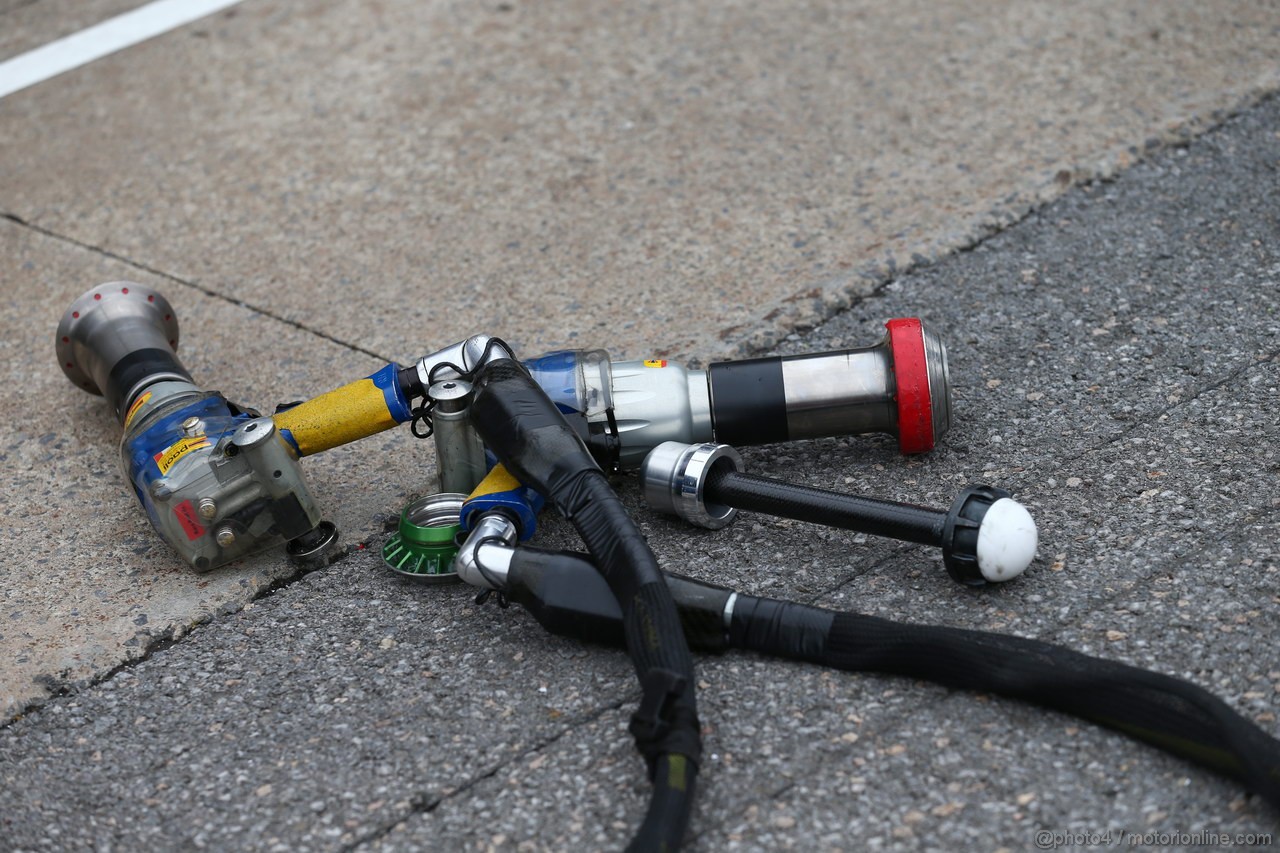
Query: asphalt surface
{"x": 1114, "y": 363}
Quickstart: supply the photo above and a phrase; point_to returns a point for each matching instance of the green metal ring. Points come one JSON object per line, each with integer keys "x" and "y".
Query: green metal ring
{"x": 425, "y": 545}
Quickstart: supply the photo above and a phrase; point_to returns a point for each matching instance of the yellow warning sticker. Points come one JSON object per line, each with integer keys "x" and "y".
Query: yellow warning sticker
{"x": 168, "y": 457}
{"x": 133, "y": 410}
{"x": 655, "y": 362}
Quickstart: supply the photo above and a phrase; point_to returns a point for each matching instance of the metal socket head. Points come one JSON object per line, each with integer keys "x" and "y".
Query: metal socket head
{"x": 117, "y": 339}
{"x": 674, "y": 480}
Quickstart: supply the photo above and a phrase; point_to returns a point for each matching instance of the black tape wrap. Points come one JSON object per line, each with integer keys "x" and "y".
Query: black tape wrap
{"x": 528, "y": 434}
{"x": 780, "y": 628}
{"x": 1166, "y": 712}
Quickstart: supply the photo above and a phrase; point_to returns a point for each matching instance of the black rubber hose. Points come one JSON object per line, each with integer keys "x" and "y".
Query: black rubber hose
{"x": 563, "y": 592}
{"x": 1164, "y": 711}
{"x": 568, "y": 597}
{"x": 904, "y": 521}
{"x": 529, "y": 435}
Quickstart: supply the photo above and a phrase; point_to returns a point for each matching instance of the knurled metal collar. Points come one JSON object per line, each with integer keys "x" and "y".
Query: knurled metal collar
{"x": 97, "y": 308}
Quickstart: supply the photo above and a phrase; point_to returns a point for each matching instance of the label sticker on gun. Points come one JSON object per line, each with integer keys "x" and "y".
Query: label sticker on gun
{"x": 169, "y": 457}
{"x": 186, "y": 514}
{"x": 655, "y": 362}
{"x": 133, "y": 410}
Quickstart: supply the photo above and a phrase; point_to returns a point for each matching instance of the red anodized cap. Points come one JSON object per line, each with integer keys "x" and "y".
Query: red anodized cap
{"x": 911, "y": 375}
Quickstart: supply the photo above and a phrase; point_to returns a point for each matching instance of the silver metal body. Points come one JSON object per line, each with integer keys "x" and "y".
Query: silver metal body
{"x": 673, "y": 479}
{"x": 485, "y": 557}
{"x": 465, "y": 356}
{"x": 840, "y": 392}
{"x": 656, "y": 402}
{"x": 459, "y": 449}
{"x": 223, "y": 499}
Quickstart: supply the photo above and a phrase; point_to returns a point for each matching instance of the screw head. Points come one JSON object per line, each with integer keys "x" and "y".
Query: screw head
{"x": 225, "y": 537}
{"x": 208, "y": 509}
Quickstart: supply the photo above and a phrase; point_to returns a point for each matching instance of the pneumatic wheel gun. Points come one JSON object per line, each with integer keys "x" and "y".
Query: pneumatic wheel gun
{"x": 220, "y": 482}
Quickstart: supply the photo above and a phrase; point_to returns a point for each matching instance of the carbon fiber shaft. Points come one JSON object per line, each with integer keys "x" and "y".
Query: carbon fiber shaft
{"x": 895, "y": 520}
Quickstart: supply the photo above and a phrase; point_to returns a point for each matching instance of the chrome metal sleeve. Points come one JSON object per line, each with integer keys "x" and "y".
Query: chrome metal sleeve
{"x": 459, "y": 450}
{"x": 485, "y": 557}
{"x": 466, "y": 355}
{"x": 728, "y": 610}
{"x": 674, "y": 480}
{"x": 839, "y": 393}
{"x": 935, "y": 355}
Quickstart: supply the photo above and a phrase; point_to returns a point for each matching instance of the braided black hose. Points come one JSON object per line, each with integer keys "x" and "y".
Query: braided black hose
{"x": 1164, "y": 711}
{"x": 568, "y": 598}
{"x": 529, "y": 435}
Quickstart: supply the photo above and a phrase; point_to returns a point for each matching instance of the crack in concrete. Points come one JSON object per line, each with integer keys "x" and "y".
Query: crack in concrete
{"x": 859, "y": 573}
{"x": 213, "y": 294}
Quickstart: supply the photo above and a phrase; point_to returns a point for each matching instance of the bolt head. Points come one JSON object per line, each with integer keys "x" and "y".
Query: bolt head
{"x": 208, "y": 509}
{"x": 225, "y": 537}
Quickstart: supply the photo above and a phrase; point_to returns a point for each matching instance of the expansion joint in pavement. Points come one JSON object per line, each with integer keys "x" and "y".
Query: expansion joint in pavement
{"x": 1244, "y": 367}
{"x": 213, "y": 294}
{"x": 159, "y": 642}
{"x": 420, "y": 804}
{"x": 891, "y": 724}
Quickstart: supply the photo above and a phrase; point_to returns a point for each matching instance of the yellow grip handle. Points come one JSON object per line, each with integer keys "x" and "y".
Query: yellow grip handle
{"x": 354, "y": 411}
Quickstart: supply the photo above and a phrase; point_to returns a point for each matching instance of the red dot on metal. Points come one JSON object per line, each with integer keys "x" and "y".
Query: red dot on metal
{"x": 97, "y": 296}
{"x": 75, "y": 315}
{"x": 124, "y": 290}
{"x": 151, "y": 297}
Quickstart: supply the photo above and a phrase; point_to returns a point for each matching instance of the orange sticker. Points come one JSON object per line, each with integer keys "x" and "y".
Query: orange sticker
{"x": 655, "y": 362}
{"x": 133, "y": 410}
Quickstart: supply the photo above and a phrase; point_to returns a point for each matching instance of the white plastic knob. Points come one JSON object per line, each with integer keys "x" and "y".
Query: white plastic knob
{"x": 1007, "y": 541}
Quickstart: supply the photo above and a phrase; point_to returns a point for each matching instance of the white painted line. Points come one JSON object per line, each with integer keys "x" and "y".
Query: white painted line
{"x": 102, "y": 39}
